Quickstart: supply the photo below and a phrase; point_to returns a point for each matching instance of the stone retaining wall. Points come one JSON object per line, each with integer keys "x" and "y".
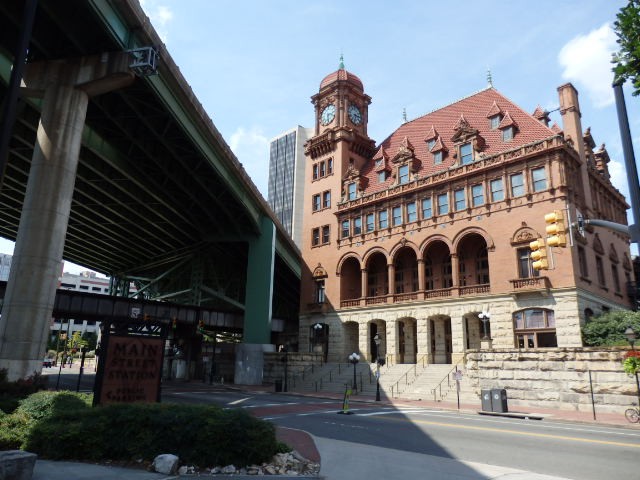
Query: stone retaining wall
{"x": 554, "y": 377}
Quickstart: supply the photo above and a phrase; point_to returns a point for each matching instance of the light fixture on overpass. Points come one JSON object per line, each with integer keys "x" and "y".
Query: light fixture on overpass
{"x": 144, "y": 61}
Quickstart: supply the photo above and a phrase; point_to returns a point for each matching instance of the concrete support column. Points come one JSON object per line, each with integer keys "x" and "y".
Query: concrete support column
{"x": 65, "y": 87}
{"x": 455, "y": 270}
{"x": 392, "y": 341}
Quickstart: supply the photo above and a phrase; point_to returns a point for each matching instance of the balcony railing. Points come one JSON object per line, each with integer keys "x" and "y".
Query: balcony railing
{"x": 423, "y": 295}
{"x": 530, "y": 284}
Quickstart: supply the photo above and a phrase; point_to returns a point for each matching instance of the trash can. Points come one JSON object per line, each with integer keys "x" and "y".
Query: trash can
{"x": 486, "y": 400}
{"x": 278, "y": 385}
{"x": 499, "y": 400}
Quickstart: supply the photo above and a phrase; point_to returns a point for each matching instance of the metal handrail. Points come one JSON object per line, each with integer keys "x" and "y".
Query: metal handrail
{"x": 447, "y": 378}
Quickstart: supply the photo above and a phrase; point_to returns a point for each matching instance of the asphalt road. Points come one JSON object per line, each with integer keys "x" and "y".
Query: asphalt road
{"x": 377, "y": 437}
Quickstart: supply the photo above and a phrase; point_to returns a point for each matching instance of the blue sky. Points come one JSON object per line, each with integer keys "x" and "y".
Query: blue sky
{"x": 255, "y": 64}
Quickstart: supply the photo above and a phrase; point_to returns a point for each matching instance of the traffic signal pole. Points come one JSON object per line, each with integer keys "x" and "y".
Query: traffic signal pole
{"x": 629, "y": 161}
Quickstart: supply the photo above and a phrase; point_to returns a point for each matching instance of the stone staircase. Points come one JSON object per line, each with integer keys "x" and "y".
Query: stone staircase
{"x": 410, "y": 381}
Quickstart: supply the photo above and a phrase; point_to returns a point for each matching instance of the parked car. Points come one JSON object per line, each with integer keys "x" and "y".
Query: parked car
{"x": 47, "y": 362}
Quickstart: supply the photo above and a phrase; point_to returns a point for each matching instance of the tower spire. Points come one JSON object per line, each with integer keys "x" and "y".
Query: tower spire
{"x": 341, "y": 66}
{"x": 489, "y": 78}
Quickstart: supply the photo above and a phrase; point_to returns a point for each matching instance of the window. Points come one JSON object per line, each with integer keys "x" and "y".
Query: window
{"x": 582, "y": 262}
{"x": 507, "y": 134}
{"x": 517, "y": 185}
{"x": 535, "y": 328}
{"x": 460, "y": 199}
{"x": 378, "y": 162}
{"x": 315, "y": 237}
{"x": 325, "y": 234}
{"x": 67, "y": 285}
{"x": 466, "y": 154}
{"x": 497, "y": 192}
{"x": 616, "y": 279}
{"x": 345, "y": 228}
{"x": 443, "y": 204}
{"x": 316, "y": 202}
{"x": 370, "y": 219}
{"x": 315, "y": 171}
{"x": 539, "y": 177}
{"x": 477, "y": 195}
{"x": 431, "y": 143}
{"x": 326, "y": 199}
{"x": 525, "y": 269}
{"x": 494, "y": 122}
{"x": 382, "y": 176}
{"x": 97, "y": 289}
{"x": 351, "y": 191}
{"x": 412, "y": 213}
{"x": 382, "y": 219}
{"x": 330, "y": 166}
{"x": 600, "y": 272}
{"x": 357, "y": 225}
{"x": 437, "y": 157}
{"x": 323, "y": 171}
{"x": 403, "y": 174}
{"x": 319, "y": 293}
{"x": 396, "y": 213}
{"x": 426, "y": 208}
{"x": 84, "y": 287}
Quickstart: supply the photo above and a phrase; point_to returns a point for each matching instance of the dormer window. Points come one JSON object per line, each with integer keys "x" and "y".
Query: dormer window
{"x": 466, "y": 153}
{"x": 437, "y": 157}
{"x": 507, "y": 134}
{"x": 351, "y": 191}
{"x": 494, "y": 121}
{"x": 403, "y": 174}
{"x": 431, "y": 143}
{"x": 382, "y": 176}
{"x": 379, "y": 162}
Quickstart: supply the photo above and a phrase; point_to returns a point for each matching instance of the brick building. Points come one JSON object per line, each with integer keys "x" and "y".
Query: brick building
{"x": 413, "y": 238}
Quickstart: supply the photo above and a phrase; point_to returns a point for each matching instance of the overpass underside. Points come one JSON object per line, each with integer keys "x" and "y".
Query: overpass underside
{"x": 151, "y": 195}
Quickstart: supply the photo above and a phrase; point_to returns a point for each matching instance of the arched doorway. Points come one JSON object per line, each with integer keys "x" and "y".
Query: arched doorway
{"x": 440, "y": 339}
{"x": 351, "y": 344}
{"x": 350, "y": 280}
{"x": 377, "y": 350}
{"x": 406, "y": 271}
{"x": 377, "y": 277}
{"x": 473, "y": 261}
{"x": 407, "y": 344}
{"x": 437, "y": 261}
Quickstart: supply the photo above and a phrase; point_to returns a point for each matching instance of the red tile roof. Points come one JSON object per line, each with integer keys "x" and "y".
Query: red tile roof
{"x": 471, "y": 110}
{"x": 341, "y": 74}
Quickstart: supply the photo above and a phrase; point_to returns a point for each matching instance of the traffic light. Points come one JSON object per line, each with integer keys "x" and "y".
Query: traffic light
{"x": 556, "y": 229}
{"x": 539, "y": 255}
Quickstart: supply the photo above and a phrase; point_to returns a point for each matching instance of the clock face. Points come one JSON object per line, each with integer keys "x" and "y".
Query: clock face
{"x": 328, "y": 114}
{"x": 355, "y": 115}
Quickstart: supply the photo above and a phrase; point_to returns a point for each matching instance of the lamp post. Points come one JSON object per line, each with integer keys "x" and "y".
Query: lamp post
{"x": 354, "y": 358}
{"x": 376, "y": 340}
{"x": 631, "y": 338}
{"x": 484, "y": 316}
{"x": 285, "y": 359}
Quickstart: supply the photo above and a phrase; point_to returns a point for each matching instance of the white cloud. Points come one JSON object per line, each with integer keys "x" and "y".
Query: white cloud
{"x": 160, "y": 16}
{"x": 586, "y": 61}
{"x": 618, "y": 174}
{"x": 252, "y": 149}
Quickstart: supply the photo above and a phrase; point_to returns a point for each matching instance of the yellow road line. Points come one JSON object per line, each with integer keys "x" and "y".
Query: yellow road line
{"x": 515, "y": 432}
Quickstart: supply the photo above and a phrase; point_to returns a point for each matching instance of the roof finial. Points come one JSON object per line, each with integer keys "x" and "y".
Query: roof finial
{"x": 404, "y": 115}
{"x": 489, "y": 78}
{"x": 341, "y": 66}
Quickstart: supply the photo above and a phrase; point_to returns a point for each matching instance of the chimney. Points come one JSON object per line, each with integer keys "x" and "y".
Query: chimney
{"x": 572, "y": 127}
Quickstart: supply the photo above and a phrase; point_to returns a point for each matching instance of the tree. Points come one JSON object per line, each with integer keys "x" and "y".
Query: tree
{"x": 627, "y": 60}
{"x": 608, "y": 328}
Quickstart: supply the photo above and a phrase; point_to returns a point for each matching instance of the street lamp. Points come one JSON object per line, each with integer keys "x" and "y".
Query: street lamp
{"x": 631, "y": 336}
{"x": 484, "y": 316}
{"x": 379, "y": 362}
{"x": 354, "y": 358}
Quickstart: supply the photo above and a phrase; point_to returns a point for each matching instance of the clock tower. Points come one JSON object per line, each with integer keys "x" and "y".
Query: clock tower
{"x": 335, "y": 157}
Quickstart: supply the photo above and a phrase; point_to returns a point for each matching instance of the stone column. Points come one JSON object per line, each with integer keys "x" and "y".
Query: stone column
{"x": 65, "y": 86}
{"x": 421, "y": 275}
{"x": 392, "y": 341}
{"x": 364, "y": 284}
{"x": 455, "y": 271}
{"x": 391, "y": 272}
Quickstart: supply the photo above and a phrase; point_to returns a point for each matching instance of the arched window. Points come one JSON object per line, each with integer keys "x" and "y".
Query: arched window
{"x": 535, "y": 328}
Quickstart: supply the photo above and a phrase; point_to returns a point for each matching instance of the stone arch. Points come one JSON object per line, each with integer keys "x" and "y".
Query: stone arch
{"x": 372, "y": 251}
{"x": 351, "y": 332}
{"x": 440, "y": 338}
{"x": 376, "y": 264}
{"x": 404, "y": 243}
{"x": 472, "y": 259}
{"x": 433, "y": 239}
{"x": 524, "y": 235}
{"x": 344, "y": 258}
{"x": 406, "y": 331}
{"x": 473, "y": 230}
{"x": 377, "y": 327}
{"x": 405, "y": 265}
{"x": 438, "y": 265}
{"x": 350, "y": 279}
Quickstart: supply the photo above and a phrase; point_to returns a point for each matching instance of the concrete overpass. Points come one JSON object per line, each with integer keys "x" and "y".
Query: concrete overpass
{"x": 151, "y": 194}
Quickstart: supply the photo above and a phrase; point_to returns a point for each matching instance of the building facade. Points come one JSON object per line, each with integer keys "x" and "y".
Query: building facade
{"x": 424, "y": 239}
{"x": 286, "y": 179}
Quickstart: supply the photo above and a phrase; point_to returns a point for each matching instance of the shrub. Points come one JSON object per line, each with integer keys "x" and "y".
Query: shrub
{"x": 608, "y": 329}
{"x": 61, "y": 426}
{"x": 12, "y": 392}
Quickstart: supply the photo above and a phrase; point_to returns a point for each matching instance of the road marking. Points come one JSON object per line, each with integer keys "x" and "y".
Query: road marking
{"x": 516, "y": 432}
{"x": 240, "y": 400}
